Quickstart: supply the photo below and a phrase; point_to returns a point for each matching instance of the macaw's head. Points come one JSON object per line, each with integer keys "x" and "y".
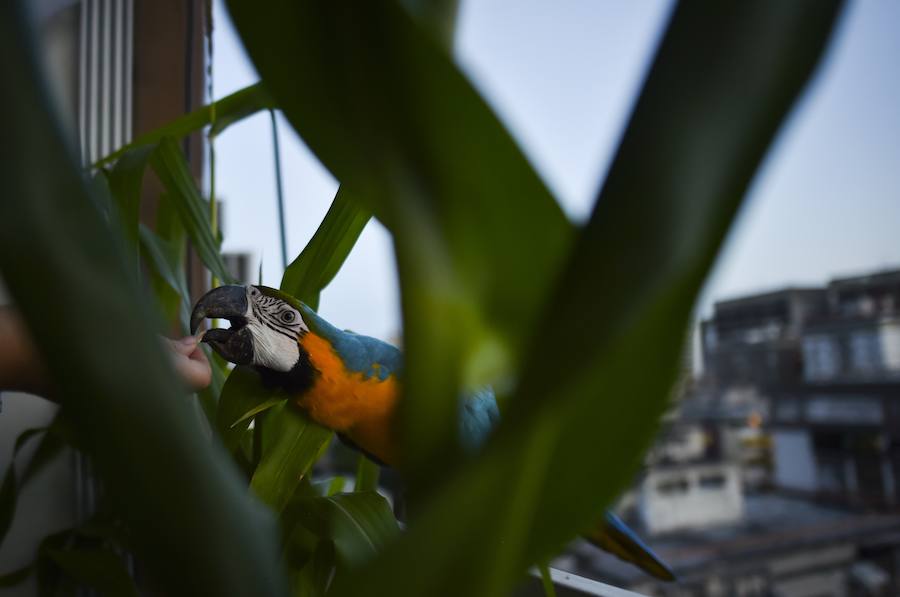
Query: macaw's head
{"x": 266, "y": 325}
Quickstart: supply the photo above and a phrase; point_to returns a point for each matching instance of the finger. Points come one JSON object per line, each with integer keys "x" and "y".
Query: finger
{"x": 195, "y": 373}
{"x": 184, "y": 346}
{"x": 198, "y": 355}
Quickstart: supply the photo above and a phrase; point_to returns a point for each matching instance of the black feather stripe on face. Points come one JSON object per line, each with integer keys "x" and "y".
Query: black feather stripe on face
{"x": 295, "y": 382}
{"x": 269, "y": 310}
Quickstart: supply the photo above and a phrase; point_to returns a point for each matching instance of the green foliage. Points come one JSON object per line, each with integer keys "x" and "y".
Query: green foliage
{"x": 424, "y": 152}
{"x": 367, "y": 473}
{"x": 49, "y": 446}
{"x": 99, "y": 569}
{"x": 323, "y": 256}
{"x": 164, "y": 260}
{"x": 291, "y": 443}
{"x": 547, "y": 580}
{"x": 359, "y": 524}
{"x": 125, "y": 180}
{"x": 65, "y": 269}
{"x": 228, "y": 110}
{"x": 584, "y": 326}
{"x": 242, "y": 393}
{"x": 170, "y": 165}
{"x": 397, "y": 123}
{"x": 16, "y": 577}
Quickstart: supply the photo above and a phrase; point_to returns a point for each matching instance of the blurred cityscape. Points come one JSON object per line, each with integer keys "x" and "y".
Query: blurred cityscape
{"x": 777, "y": 471}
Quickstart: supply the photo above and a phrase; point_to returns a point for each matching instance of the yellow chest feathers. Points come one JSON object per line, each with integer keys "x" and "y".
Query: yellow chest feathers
{"x": 362, "y": 408}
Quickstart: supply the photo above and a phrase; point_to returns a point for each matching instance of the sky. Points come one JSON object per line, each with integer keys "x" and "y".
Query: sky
{"x": 563, "y": 78}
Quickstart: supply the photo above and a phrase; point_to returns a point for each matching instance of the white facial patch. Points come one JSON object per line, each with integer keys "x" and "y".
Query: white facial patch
{"x": 276, "y": 327}
{"x": 272, "y": 350}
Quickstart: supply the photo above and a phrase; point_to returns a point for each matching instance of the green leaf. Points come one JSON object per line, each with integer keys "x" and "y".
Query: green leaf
{"x": 547, "y": 581}
{"x": 326, "y": 252}
{"x": 95, "y": 334}
{"x": 478, "y": 236}
{"x": 228, "y": 110}
{"x": 100, "y": 193}
{"x": 49, "y": 577}
{"x": 24, "y": 438}
{"x": 367, "y": 473}
{"x": 243, "y": 391}
{"x": 313, "y": 579}
{"x": 170, "y": 229}
{"x": 336, "y": 486}
{"x": 360, "y": 524}
{"x": 118, "y": 213}
{"x": 16, "y": 577}
{"x": 209, "y": 396}
{"x": 8, "y": 494}
{"x": 298, "y": 543}
{"x": 437, "y": 16}
{"x": 10, "y": 486}
{"x": 598, "y": 375}
{"x": 99, "y": 569}
{"x": 263, "y": 406}
{"x": 51, "y": 445}
{"x": 175, "y": 304}
{"x": 291, "y": 444}
{"x": 125, "y": 182}
{"x": 165, "y": 262}
{"x": 170, "y": 165}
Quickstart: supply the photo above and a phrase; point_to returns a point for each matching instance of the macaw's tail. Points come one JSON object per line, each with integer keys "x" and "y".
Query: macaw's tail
{"x": 614, "y": 536}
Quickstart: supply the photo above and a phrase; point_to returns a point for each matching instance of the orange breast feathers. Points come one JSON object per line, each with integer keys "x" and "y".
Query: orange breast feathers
{"x": 360, "y": 407}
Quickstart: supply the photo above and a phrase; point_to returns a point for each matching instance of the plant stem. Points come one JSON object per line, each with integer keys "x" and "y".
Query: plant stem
{"x": 211, "y": 138}
{"x": 279, "y": 190}
{"x": 547, "y": 580}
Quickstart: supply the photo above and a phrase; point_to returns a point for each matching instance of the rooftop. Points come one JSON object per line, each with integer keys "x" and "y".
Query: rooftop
{"x": 889, "y": 277}
{"x": 773, "y": 526}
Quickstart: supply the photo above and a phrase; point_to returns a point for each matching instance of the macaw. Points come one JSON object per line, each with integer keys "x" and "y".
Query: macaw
{"x": 350, "y": 383}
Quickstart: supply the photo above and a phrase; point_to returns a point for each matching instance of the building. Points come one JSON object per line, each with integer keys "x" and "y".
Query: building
{"x": 756, "y": 340}
{"x": 825, "y": 364}
{"x": 859, "y": 339}
{"x": 782, "y": 547}
{"x": 778, "y": 471}
{"x": 837, "y": 431}
{"x": 691, "y": 497}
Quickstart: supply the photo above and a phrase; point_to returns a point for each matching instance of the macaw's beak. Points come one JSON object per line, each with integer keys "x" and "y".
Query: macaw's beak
{"x": 226, "y": 302}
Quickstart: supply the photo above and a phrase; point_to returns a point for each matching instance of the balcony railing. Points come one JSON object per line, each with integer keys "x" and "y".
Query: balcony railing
{"x": 572, "y": 585}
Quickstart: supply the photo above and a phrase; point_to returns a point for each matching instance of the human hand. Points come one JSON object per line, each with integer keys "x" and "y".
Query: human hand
{"x": 189, "y": 361}
{"x": 21, "y": 368}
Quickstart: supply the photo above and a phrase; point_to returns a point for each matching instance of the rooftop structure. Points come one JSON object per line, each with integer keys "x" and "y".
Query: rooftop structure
{"x": 781, "y": 546}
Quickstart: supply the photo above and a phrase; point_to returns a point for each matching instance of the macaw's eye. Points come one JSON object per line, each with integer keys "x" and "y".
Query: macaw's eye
{"x": 287, "y": 316}
{"x": 254, "y": 292}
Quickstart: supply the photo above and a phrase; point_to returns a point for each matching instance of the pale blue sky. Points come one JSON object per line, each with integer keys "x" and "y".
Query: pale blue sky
{"x": 562, "y": 77}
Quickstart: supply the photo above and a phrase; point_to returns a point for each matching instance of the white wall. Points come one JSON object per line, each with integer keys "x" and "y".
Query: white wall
{"x": 48, "y": 502}
{"x": 890, "y": 345}
{"x": 685, "y": 498}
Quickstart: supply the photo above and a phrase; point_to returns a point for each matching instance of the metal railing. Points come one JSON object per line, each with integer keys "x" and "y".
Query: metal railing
{"x": 571, "y": 585}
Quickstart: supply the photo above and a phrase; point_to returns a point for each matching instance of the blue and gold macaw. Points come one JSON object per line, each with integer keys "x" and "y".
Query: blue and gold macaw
{"x": 349, "y": 383}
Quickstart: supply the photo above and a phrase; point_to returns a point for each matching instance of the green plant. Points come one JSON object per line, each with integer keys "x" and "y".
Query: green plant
{"x": 573, "y": 321}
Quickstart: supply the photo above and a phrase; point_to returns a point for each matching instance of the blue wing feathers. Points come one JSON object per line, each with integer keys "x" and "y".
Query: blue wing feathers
{"x": 362, "y": 354}
{"x": 479, "y": 415}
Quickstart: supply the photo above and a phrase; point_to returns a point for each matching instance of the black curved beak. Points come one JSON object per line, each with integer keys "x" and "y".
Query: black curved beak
{"x": 226, "y": 302}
